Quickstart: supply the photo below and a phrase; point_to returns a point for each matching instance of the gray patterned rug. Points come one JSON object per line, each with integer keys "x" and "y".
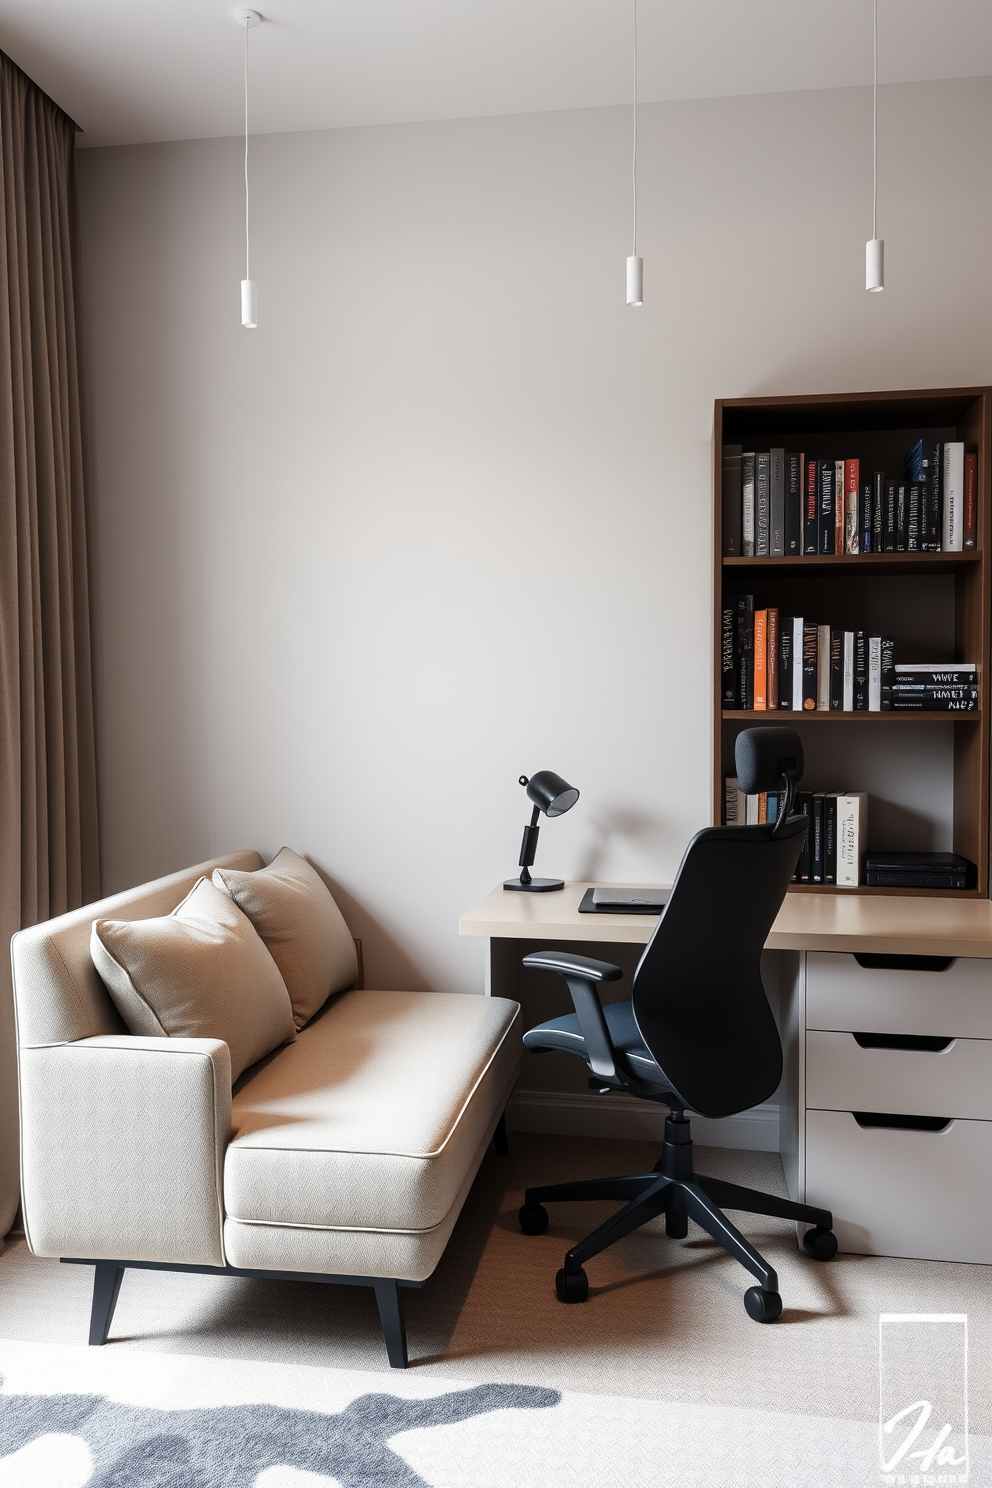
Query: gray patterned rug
{"x": 96, "y": 1418}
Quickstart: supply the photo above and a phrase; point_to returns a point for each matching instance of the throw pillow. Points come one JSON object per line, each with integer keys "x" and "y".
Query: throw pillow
{"x": 294, "y": 912}
{"x": 200, "y": 972}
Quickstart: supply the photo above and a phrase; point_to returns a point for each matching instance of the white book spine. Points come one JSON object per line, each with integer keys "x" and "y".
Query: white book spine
{"x": 797, "y": 664}
{"x": 874, "y": 674}
{"x": 852, "y": 817}
{"x": 751, "y": 811}
{"x": 953, "y": 535}
{"x": 747, "y": 504}
{"x": 848, "y": 700}
{"x": 823, "y": 668}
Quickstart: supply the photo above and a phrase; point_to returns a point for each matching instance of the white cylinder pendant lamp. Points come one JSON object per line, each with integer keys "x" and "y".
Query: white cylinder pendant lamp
{"x": 875, "y": 247}
{"x": 249, "y": 290}
{"x": 635, "y": 265}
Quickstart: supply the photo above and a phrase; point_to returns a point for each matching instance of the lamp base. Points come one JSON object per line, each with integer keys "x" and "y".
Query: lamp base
{"x": 536, "y": 885}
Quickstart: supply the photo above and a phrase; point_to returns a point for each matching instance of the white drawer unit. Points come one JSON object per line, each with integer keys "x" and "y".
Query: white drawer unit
{"x": 921, "y": 1194}
{"x": 843, "y": 994}
{"x": 844, "y": 1075}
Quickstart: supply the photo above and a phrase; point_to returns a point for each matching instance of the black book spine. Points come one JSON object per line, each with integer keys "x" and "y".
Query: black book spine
{"x": 889, "y": 518}
{"x": 809, "y": 667}
{"x": 803, "y": 808}
{"x": 888, "y": 672}
{"x": 877, "y": 511}
{"x": 865, "y": 523}
{"x": 836, "y": 670}
{"x": 902, "y": 516}
{"x": 732, "y": 500}
{"x": 860, "y": 671}
{"x": 728, "y": 654}
{"x": 830, "y": 839}
{"x": 745, "y": 651}
{"x": 816, "y": 851}
{"x": 825, "y": 506}
{"x": 793, "y": 505}
{"x": 936, "y": 454}
{"x": 810, "y": 520}
{"x": 913, "y": 543}
{"x": 785, "y": 661}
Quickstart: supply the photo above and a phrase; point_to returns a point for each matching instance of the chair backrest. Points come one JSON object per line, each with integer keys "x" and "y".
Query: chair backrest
{"x": 697, "y": 994}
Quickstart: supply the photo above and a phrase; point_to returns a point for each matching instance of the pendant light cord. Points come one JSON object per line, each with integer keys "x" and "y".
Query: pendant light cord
{"x": 633, "y": 166}
{"x": 247, "y": 245}
{"x": 874, "y": 124}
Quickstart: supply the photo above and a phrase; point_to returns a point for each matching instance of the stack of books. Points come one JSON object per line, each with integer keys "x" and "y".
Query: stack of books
{"x": 772, "y": 661}
{"x": 782, "y": 503}
{"x": 919, "y": 870}
{"x": 834, "y": 846}
{"x": 925, "y": 687}
{"x": 740, "y": 810}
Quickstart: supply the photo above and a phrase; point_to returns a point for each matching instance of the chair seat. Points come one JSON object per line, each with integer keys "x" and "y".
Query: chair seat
{"x": 564, "y": 1033}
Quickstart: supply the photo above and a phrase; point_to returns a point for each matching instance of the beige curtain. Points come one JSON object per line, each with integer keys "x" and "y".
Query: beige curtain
{"x": 48, "y": 824}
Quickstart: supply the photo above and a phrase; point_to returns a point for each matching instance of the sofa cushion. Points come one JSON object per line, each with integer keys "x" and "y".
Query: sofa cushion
{"x": 294, "y": 912}
{"x": 200, "y": 972}
{"x": 373, "y": 1117}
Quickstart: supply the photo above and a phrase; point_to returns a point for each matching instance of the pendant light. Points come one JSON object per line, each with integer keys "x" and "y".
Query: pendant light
{"x": 875, "y": 248}
{"x": 635, "y": 265}
{"x": 249, "y": 292}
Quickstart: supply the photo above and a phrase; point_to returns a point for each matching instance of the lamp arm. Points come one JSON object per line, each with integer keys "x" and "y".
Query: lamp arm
{"x": 528, "y": 847}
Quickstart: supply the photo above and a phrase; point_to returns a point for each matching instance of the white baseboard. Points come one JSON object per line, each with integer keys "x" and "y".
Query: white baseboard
{"x": 619, "y": 1115}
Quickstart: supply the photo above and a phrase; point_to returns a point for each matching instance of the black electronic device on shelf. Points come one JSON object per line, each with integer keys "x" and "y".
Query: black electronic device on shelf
{"x": 918, "y": 870}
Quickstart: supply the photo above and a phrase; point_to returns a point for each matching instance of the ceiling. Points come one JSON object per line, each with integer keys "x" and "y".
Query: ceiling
{"x": 132, "y": 71}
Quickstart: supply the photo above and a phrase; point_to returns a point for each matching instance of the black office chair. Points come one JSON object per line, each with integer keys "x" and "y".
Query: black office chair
{"x": 697, "y": 1033}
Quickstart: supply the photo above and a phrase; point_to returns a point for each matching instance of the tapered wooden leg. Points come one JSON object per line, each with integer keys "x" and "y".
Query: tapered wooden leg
{"x": 387, "y": 1295}
{"x": 107, "y": 1279}
{"x": 500, "y": 1140}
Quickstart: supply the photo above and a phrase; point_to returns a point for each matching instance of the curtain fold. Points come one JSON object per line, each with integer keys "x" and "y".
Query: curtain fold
{"x": 48, "y": 822}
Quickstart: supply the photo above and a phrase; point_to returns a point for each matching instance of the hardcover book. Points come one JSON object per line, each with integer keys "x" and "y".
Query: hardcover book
{"x": 760, "y": 660}
{"x": 771, "y": 658}
{"x": 762, "y": 504}
{"x": 785, "y": 625}
{"x": 829, "y": 838}
{"x": 823, "y": 668}
{"x": 836, "y": 670}
{"x": 747, "y": 503}
{"x": 860, "y": 671}
{"x": 865, "y": 521}
{"x": 825, "y": 497}
{"x": 816, "y": 846}
{"x": 877, "y": 511}
{"x": 797, "y": 664}
{"x": 732, "y": 500}
{"x": 913, "y": 504}
{"x": 889, "y": 519}
{"x": 809, "y": 666}
{"x": 970, "y": 499}
{"x": 728, "y": 657}
{"x": 852, "y": 508}
{"x": 848, "y": 692}
{"x": 953, "y": 525}
{"x": 852, "y": 832}
{"x": 840, "y": 507}
{"x": 776, "y": 535}
{"x": 810, "y": 539}
{"x": 874, "y": 674}
{"x": 794, "y": 507}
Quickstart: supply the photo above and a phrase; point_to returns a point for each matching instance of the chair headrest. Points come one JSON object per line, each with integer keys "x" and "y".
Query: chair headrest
{"x": 764, "y": 755}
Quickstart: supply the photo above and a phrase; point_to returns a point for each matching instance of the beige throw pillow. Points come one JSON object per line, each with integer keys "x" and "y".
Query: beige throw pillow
{"x": 200, "y": 972}
{"x": 293, "y": 911}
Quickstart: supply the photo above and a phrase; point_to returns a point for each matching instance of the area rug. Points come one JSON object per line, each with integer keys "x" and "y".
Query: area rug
{"x": 96, "y": 1418}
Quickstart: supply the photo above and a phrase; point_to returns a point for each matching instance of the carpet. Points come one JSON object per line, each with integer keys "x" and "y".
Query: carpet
{"x": 94, "y": 1418}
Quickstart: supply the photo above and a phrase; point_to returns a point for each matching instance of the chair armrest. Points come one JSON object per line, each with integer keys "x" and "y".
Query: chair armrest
{"x": 580, "y": 974}
{"x": 122, "y": 1148}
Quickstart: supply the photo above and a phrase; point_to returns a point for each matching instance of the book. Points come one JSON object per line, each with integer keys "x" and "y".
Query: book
{"x": 848, "y": 684}
{"x": 816, "y": 845}
{"x": 734, "y": 803}
{"x": 887, "y": 672}
{"x": 794, "y": 485}
{"x": 851, "y": 836}
{"x": 889, "y": 518}
{"x": 745, "y": 650}
{"x": 901, "y": 516}
{"x": 860, "y": 671}
{"x": 803, "y": 807}
{"x": 958, "y": 692}
{"x": 771, "y": 658}
{"x": 836, "y": 670}
{"x": 732, "y": 500}
{"x": 809, "y": 666}
{"x": 762, "y": 499}
{"x": 970, "y": 500}
{"x": 810, "y": 540}
{"x": 940, "y": 700}
{"x": 776, "y": 503}
{"x": 785, "y": 625}
{"x": 877, "y": 511}
{"x": 874, "y": 674}
{"x": 924, "y": 463}
{"x": 752, "y": 805}
{"x": 823, "y": 668}
{"x": 864, "y": 521}
{"x": 829, "y": 838}
{"x": 796, "y": 699}
{"x": 825, "y": 505}
{"x": 918, "y": 870}
{"x": 840, "y": 507}
{"x": 728, "y": 654}
{"x": 762, "y": 808}
{"x": 913, "y": 505}
{"x": 747, "y": 504}
{"x": 952, "y": 537}
{"x": 949, "y": 674}
{"x": 852, "y": 507}
{"x": 760, "y": 660}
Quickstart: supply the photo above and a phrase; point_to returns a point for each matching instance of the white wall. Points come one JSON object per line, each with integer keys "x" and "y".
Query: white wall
{"x": 445, "y": 516}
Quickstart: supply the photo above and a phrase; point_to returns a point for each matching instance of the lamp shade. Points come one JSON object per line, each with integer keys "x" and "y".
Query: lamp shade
{"x": 550, "y": 793}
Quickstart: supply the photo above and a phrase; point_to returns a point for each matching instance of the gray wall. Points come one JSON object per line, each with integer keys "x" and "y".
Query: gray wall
{"x": 445, "y": 516}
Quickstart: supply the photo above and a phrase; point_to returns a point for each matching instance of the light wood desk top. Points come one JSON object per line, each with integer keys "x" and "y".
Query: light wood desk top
{"x": 806, "y": 922}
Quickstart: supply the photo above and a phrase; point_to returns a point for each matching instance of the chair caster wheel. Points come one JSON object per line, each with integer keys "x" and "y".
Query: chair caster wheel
{"x": 533, "y": 1219}
{"x": 763, "y": 1306}
{"x": 820, "y": 1244}
{"x": 572, "y": 1286}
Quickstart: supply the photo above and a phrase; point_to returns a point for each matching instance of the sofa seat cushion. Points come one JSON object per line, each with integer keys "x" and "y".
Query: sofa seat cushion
{"x": 373, "y": 1117}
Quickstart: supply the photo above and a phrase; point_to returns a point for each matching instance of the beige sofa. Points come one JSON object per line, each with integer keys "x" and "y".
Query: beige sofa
{"x": 343, "y": 1157}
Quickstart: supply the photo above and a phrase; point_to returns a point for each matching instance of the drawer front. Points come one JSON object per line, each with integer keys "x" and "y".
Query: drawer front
{"x": 956, "y": 1003}
{"x": 903, "y": 1193}
{"x": 956, "y": 1081}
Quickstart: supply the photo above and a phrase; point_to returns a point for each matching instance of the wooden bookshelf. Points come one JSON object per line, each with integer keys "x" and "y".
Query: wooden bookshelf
{"x": 944, "y": 601}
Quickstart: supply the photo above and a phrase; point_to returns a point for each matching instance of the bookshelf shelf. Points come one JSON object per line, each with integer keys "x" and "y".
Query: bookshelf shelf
{"x": 927, "y": 788}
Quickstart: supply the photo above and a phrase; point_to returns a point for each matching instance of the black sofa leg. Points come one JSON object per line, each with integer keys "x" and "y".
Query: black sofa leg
{"x": 500, "y": 1140}
{"x": 390, "y": 1301}
{"x": 107, "y": 1278}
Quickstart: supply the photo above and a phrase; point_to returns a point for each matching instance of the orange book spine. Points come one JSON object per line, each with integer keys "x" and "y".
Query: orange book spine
{"x": 762, "y": 808}
{"x": 761, "y": 659}
{"x": 852, "y": 487}
{"x": 771, "y": 659}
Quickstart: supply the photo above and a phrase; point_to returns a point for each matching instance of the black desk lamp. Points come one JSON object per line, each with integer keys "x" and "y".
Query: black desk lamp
{"x": 554, "y": 797}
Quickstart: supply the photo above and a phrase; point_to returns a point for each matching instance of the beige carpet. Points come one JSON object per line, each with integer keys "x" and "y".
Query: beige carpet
{"x": 665, "y": 1319}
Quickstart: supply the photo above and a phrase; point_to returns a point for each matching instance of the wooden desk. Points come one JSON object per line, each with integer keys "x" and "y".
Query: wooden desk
{"x": 894, "y": 1188}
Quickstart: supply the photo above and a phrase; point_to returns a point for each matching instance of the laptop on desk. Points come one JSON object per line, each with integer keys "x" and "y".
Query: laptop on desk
{"x": 624, "y": 899}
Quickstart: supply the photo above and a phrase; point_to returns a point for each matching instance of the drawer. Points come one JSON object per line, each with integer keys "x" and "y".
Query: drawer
{"x": 956, "y": 1081}
{"x": 903, "y": 1193}
{"x": 841, "y": 994}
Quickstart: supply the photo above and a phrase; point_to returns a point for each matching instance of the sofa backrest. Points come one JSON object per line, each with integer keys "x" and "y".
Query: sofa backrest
{"x": 58, "y": 996}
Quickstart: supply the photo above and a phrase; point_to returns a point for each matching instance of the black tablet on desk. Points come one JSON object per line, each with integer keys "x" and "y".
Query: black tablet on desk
{"x": 624, "y": 899}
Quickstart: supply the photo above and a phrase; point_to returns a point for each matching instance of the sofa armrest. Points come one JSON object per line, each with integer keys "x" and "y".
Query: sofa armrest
{"x": 122, "y": 1148}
